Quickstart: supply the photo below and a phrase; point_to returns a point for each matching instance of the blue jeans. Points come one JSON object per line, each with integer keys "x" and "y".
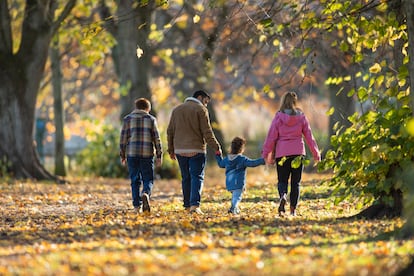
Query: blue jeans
{"x": 141, "y": 171}
{"x": 236, "y": 197}
{"x": 192, "y": 174}
{"x": 283, "y": 173}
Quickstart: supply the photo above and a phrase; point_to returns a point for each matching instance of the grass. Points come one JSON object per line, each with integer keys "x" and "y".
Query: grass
{"x": 89, "y": 227}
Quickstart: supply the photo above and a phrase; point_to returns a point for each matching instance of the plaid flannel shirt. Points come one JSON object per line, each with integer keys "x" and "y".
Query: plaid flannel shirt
{"x": 139, "y": 136}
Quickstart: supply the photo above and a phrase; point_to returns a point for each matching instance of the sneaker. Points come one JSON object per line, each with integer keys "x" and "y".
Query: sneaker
{"x": 196, "y": 210}
{"x": 282, "y": 204}
{"x": 138, "y": 209}
{"x": 236, "y": 211}
{"x": 145, "y": 203}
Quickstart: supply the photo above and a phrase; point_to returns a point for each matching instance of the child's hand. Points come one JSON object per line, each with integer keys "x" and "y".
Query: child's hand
{"x": 123, "y": 161}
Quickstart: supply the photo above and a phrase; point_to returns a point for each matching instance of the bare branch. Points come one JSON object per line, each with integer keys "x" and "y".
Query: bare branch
{"x": 66, "y": 11}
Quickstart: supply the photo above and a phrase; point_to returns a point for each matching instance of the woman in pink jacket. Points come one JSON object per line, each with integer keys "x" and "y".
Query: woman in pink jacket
{"x": 284, "y": 143}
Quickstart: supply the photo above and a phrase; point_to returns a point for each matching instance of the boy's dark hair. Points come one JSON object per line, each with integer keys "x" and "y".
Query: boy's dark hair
{"x": 142, "y": 104}
{"x": 201, "y": 93}
{"x": 237, "y": 145}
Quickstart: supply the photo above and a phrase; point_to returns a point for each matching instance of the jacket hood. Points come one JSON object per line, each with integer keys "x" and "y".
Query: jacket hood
{"x": 231, "y": 157}
{"x": 290, "y": 119}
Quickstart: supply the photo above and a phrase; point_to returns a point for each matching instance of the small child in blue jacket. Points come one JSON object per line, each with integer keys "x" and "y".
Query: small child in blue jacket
{"x": 235, "y": 164}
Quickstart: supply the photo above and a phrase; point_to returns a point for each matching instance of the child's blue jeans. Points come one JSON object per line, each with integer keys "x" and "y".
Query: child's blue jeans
{"x": 236, "y": 198}
{"x": 141, "y": 171}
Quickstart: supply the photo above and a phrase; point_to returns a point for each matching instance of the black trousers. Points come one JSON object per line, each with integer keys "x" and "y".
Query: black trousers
{"x": 286, "y": 171}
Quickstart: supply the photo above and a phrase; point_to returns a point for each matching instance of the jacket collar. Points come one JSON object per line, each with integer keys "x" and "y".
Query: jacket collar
{"x": 139, "y": 111}
{"x": 193, "y": 99}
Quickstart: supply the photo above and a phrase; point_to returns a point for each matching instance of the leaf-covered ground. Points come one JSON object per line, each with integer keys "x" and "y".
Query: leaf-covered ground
{"x": 89, "y": 227}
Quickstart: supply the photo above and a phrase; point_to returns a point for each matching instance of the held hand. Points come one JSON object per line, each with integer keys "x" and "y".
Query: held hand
{"x": 158, "y": 162}
{"x": 172, "y": 156}
{"x": 269, "y": 159}
{"x": 218, "y": 152}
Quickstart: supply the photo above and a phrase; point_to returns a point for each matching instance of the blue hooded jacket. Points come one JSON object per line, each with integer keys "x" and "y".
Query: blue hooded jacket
{"x": 236, "y": 165}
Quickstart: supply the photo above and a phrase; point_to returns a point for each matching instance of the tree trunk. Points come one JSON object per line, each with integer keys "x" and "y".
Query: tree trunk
{"x": 382, "y": 210}
{"x": 132, "y": 66}
{"x": 408, "y": 271}
{"x": 409, "y": 11}
{"x": 20, "y": 76}
{"x": 58, "y": 108}
{"x": 344, "y": 107}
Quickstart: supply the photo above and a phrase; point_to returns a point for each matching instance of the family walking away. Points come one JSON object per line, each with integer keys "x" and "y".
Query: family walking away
{"x": 284, "y": 145}
{"x": 236, "y": 164}
{"x": 188, "y": 133}
{"x": 138, "y": 142}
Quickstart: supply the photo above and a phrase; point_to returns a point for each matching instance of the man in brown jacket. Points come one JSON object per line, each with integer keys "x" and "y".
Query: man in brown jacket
{"x": 188, "y": 133}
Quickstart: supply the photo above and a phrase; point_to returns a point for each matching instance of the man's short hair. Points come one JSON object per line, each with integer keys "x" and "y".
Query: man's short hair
{"x": 142, "y": 104}
{"x": 201, "y": 93}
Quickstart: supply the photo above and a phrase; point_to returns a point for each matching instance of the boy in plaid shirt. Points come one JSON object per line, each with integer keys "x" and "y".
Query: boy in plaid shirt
{"x": 139, "y": 141}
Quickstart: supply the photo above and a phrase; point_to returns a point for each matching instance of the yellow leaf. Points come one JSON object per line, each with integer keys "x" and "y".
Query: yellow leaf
{"x": 196, "y": 19}
{"x": 410, "y": 127}
{"x": 376, "y": 68}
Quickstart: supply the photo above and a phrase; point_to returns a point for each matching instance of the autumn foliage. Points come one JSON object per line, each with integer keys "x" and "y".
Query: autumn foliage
{"x": 89, "y": 227}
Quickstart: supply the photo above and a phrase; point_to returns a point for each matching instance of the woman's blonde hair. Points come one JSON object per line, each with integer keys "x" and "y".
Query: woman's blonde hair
{"x": 288, "y": 101}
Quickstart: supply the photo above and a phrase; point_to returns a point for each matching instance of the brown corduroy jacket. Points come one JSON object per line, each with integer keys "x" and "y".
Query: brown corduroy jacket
{"x": 189, "y": 129}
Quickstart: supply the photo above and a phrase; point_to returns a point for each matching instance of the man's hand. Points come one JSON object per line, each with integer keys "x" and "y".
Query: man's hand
{"x": 172, "y": 156}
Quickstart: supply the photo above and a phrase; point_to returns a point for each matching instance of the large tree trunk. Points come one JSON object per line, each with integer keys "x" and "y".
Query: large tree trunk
{"x": 20, "y": 76}
{"x": 131, "y": 32}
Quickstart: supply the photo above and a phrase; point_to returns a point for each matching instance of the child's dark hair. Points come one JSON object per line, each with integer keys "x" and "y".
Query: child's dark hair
{"x": 142, "y": 104}
{"x": 237, "y": 145}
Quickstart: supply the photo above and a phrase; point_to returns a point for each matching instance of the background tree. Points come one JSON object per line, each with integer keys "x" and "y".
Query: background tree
{"x": 369, "y": 157}
{"x": 58, "y": 107}
{"x": 130, "y": 25}
{"x": 22, "y": 62}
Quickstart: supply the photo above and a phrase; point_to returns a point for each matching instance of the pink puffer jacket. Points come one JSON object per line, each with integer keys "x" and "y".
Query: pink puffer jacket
{"x": 285, "y": 137}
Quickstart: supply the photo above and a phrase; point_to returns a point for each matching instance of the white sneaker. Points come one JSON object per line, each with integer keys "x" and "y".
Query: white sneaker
{"x": 196, "y": 210}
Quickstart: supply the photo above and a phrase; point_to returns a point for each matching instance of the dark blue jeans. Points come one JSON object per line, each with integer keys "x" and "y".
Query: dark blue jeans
{"x": 283, "y": 173}
{"x": 141, "y": 171}
{"x": 192, "y": 174}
